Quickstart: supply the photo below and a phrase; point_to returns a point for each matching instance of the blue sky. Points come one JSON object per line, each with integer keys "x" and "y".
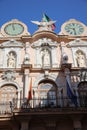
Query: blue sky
{"x": 27, "y": 10}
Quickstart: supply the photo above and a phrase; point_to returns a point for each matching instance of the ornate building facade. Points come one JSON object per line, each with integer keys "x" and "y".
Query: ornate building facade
{"x": 43, "y": 77}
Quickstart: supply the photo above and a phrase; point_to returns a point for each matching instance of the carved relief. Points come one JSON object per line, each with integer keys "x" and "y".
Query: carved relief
{"x": 45, "y": 55}
{"x": 11, "y": 60}
{"x": 80, "y": 59}
{"x": 8, "y": 75}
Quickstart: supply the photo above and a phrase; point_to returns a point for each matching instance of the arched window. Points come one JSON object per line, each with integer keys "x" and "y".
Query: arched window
{"x": 47, "y": 94}
{"x": 46, "y": 57}
{"x": 82, "y": 91}
{"x": 11, "y": 60}
{"x": 80, "y": 59}
{"x": 8, "y": 96}
{"x": 8, "y": 93}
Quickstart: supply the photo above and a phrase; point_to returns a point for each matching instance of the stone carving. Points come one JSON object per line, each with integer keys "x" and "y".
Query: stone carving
{"x": 83, "y": 75}
{"x": 8, "y": 75}
{"x": 77, "y": 42}
{"x": 11, "y": 43}
{"x": 45, "y": 57}
{"x": 43, "y": 25}
{"x": 44, "y": 42}
{"x": 65, "y": 58}
{"x": 81, "y": 59}
{"x": 11, "y": 61}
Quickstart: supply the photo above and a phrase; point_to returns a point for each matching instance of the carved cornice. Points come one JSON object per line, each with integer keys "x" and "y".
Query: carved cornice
{"x": 44, "y": 42}
{"x": 77, "y": 42}
{"x": 11, "y": 43}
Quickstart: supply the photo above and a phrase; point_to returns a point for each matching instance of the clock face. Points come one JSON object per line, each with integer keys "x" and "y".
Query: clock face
{"x": 14, "y": 29}
{"x": 74, "y": 28}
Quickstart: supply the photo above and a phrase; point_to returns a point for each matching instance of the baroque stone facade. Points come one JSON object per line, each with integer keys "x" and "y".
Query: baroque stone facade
{"x": 43, "y": 77}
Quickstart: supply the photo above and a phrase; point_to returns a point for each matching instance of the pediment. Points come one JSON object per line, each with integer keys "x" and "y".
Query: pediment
{"x": 11, "y": 43}
{"x": 44, "y": 42}
{"x": 77, "y": 43}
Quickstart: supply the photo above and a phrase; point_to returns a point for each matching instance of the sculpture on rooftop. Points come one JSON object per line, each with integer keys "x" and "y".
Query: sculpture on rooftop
{"x": 45, "y": 24}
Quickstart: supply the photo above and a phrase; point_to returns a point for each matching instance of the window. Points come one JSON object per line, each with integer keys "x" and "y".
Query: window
{"x": 8, "y": 94}
{"x": 82, "y": 90}
{"x": 47, "y": 94}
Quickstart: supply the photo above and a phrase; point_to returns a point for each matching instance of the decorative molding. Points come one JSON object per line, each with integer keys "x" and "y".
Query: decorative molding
{"x": 42, "y": 77}
{"x": 9, "y": 75}
{"x": 77, "y": 43}
{"x": 44, "y": 42}
{"x": 11, "y": 43}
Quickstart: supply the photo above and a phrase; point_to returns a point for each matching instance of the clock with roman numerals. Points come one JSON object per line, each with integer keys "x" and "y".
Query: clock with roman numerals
{"x": 73, "y": 28}
{"x": 14, "y": 28}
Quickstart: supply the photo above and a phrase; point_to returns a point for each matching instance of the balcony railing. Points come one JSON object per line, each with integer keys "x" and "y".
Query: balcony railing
{"x": 61, "y": 103}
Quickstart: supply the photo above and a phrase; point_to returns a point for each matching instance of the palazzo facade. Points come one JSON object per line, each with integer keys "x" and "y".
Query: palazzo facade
{"x": 43, "y": 77}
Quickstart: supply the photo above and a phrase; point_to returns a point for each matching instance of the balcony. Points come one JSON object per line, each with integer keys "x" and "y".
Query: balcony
{"x": 45, "y": 105}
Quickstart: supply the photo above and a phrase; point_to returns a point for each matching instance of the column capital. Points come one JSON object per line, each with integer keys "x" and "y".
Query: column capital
{"x": 26, "y": 66}
{"x": 26, "y": 71}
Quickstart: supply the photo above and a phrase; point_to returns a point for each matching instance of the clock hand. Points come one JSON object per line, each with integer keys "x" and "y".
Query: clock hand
{"x": 74, "y": 31}
{"x": 13, "y": 27}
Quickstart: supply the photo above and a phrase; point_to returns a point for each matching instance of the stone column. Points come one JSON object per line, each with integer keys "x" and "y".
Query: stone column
{"x": 77, "y": 125}
{"x": 24, "y": 125}
{"x": 26, "y": 84}
{"x": 4, "y": 61}
{"x": 54, "y": 57}
{"x": 18, "y": 102}
{"x": 37, "y": 57}
{"x": 27, "y": 47}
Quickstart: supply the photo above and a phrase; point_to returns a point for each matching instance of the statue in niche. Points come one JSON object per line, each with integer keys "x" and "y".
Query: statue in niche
{"x": 11, "y": 61}
{"x": 45, "y": 57}
{"x": 81, "y": 59}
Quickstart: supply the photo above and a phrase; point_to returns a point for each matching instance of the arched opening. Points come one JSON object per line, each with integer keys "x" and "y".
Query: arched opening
{"x": 47, "y": 93}
{"x": 82, "y": 91}
{"x": 8, "y": 98}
